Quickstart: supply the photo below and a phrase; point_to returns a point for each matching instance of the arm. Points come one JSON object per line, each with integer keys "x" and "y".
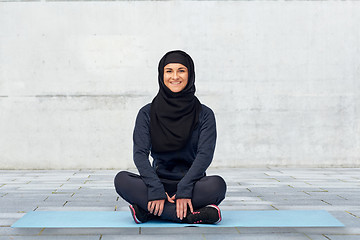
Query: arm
{"x": 141, "y": 150}
{"x": 204, "y": 156}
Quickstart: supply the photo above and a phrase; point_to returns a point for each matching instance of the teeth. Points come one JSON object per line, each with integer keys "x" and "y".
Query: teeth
{"x": 175, "y": 83}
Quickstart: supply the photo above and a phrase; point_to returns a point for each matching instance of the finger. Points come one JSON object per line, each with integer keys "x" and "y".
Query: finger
{"x": 161, "y": 208}
{"x": 169, "y": 199}
{"x": 172, "y": 199}
{"x": 185, "y": 208}
{"x": 150, "y": 203}
{"x": 177, "y": 208}
{"x": 181, "y": 210}
{"x": 191, "y": 207}
{"x": 152, "y": 207}
{"x": 156, "y": 208}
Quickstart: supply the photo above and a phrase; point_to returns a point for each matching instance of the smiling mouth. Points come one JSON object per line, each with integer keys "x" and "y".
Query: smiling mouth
{"x": 175, "y": 83}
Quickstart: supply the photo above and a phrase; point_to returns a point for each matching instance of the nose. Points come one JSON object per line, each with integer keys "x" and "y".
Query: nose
{"x": 175, "y": 75}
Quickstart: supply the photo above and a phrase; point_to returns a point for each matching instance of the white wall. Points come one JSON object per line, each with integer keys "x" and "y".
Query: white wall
{"x": 281, "y": 76}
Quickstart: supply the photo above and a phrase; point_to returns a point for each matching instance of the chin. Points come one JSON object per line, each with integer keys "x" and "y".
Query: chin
{"x": 176, "y": 90}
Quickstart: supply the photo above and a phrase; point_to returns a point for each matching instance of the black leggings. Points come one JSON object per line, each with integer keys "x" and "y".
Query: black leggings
{"x": 208, "y": 190}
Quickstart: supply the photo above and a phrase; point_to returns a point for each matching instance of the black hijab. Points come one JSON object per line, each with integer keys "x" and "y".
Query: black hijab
{"x": 174, "y": 116}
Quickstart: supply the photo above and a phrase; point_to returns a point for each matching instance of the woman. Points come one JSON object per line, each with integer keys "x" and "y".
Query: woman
{"x": 180, "y": 134}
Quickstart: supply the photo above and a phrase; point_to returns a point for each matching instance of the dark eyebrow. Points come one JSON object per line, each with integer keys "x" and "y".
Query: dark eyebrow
{"x": 168, "y": 68}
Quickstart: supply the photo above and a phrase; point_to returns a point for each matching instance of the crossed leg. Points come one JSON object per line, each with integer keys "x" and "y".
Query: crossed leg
{"x": 208, "y": 190}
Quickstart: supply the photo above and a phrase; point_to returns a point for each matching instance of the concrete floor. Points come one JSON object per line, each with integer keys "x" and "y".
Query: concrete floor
{"x": 336, "y": 190}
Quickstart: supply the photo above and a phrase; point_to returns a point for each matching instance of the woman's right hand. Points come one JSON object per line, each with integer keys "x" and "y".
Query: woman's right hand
{"x": 156, "y": 207}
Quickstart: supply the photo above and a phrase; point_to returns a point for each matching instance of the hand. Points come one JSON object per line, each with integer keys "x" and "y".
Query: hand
{"x": 170, "y": 199}
{"x": 181, "y": 207}
{"x": 156, "y": 207}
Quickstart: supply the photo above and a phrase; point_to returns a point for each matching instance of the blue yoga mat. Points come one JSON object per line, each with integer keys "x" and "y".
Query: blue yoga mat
{"x": 277, "y": 218}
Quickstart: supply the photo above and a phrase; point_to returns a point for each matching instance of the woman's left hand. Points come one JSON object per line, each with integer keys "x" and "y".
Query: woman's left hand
{"x": 181, "y": 207}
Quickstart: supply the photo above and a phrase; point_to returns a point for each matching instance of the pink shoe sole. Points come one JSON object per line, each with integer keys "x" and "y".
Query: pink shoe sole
{"x": 218, "y": 209}
{"x": 132, "y": 210}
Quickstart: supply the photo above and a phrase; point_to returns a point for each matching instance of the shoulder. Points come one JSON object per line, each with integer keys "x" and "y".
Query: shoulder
{"x": 206, "y": 112}
{"x": 144, "y": 113}
{"x": 145, "y": 109}
{"x": 206, "y": 116}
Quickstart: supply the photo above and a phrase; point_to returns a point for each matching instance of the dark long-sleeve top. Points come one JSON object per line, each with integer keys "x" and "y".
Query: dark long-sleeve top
{"x": 187, "y": 165}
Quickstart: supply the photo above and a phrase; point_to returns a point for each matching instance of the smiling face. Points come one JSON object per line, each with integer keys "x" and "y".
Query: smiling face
{"x": 175, "y": 76}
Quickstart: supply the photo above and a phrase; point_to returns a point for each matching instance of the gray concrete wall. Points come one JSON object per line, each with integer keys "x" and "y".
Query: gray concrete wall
{"x": 281, "y": 76}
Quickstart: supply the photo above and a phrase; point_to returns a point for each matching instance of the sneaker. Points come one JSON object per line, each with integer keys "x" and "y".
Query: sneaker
{"x": 208, "y": 215}
{"x": 139, "y": 215}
